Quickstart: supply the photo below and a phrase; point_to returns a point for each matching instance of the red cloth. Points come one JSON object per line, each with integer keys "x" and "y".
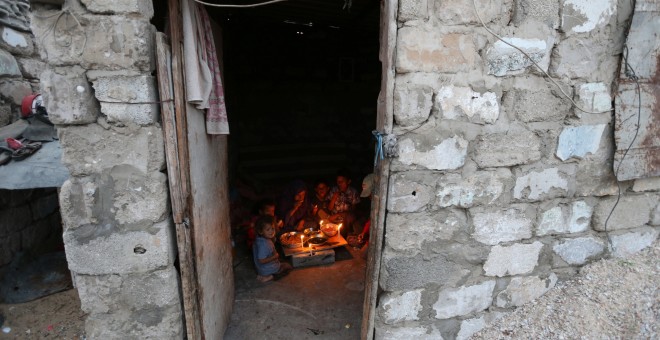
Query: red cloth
{"x": 251, "y": 233}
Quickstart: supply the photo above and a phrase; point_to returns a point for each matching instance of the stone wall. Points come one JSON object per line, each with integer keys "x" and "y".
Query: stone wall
{"x": 29, "y": 222}
{"x": 20, "y": 64}
{"x": 118, "y": 233}
{"x": 502, "y": 187}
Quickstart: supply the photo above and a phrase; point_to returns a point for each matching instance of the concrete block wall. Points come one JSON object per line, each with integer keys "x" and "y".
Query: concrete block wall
{"x": 118, "y": 233}
{"x": 502, "y": 187}
{"x": 29, "y": 222}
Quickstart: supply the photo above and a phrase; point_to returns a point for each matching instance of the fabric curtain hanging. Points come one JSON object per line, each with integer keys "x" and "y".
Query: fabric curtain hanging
{"x": 202, "y": 71}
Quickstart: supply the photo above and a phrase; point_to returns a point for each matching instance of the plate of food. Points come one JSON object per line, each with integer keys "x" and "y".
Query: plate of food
{"x": 329, "y": 229}
{"x": 291, "y": 239}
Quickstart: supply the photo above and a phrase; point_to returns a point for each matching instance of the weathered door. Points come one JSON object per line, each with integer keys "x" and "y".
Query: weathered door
{"x": 197, "y": 168}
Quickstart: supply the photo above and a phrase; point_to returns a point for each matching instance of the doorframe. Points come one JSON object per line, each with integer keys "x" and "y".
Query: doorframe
{"x": 385, "y": 114}
{"x": 177, "y": 162}
{"x": 175, "y": 131}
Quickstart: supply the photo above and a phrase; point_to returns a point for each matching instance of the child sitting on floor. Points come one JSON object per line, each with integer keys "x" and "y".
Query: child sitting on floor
{"x": 265, "y": 207}
{"x": 266, "y": 259}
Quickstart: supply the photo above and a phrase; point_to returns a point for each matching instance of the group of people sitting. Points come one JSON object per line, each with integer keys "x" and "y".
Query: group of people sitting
{"x": 296, "y": 209}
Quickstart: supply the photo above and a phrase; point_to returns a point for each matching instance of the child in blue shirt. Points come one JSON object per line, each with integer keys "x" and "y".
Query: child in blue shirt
{"x": 266, "y": 258}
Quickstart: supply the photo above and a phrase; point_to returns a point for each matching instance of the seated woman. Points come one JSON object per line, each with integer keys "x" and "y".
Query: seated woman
{"x": 343, "y": 199}
{"x": 319, "y": 201}
{"x": 295, "y": 206}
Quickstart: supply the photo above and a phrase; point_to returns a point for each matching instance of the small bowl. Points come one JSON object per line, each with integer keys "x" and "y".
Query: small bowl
{"x": 317, "y": 239}
{"x": 329, "y": 229}
{"x": 310, "y": 231}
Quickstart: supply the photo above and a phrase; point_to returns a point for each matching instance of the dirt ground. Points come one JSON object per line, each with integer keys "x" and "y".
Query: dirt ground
{"x": 57, "y": 316}
{"x": 610, "y": 299}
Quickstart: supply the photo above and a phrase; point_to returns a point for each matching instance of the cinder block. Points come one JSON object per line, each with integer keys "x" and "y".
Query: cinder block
{"x": 141, "y": 7}
{"x": 68, "y": 96}
{"x": 315, "y": 259}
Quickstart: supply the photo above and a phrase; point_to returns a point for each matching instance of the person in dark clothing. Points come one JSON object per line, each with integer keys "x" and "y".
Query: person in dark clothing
{"x": 295, "y": 206}
{"x": 320, "y": 201}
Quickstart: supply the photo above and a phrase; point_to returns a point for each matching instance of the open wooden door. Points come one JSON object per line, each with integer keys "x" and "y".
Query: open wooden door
{"x": 197, "y": 171}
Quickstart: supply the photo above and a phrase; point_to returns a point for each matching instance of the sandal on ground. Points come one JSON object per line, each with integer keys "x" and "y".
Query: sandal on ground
{"x": 23, "y": 148}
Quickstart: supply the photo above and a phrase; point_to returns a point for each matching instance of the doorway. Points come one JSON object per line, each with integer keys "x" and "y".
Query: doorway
{"x": 301, "y": 84}
{"x": 292, "y": 106}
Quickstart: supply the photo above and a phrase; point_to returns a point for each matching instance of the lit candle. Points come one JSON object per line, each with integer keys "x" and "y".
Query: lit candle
{"x": 302, "y": 244}
{"x": 339, "y": 228}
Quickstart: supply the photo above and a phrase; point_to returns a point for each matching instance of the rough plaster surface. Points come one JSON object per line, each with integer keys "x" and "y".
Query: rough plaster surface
{"x": 119, "y": 97}
{"x": 415, "y": 332}
{"x": 458, "y": 103}
{"x": 545, "y": 12}
{"x": 446, "y": 154}
{"x": 493, "y": 227}
{"x": 412, "y": 104}
{"x": 8, "y": 64}
{"x": 481, "y": 188}
{"x": 533, "y": 100}
{"x": 408, "y": 232}
{"x": 110, "y": 42}
{"x": 68, "y": 96}
{"x": 410, "y": 191}
{"x": 503, "y": 59}
{"x": 107, "y": 146}
{"x": 627, "y": 243}
{"x": 522, "y": 290}
{"x": 405, "y": 273}
{"x": 579, "y": 141}
{"x": 516, "y": 259}
{"x": 594, "y": 97}
{"x": 546, "y": 183}
{"x": 413, "y": 10}
{"x": 506, "y": 149}
{"x": 581, "y": 16}
{"x": 106, "y": 293}
{"x": 458, "y": 12}
{"x": 422, "y": 50}
{"x": 165, "y": 323}
{"x": 464, "y": 300}
{"x": 630, "y": 212}
{"x": 401, "y": 307}
{"x": 105, "y": 249}
{"x": 144, "y": 8}
{"x": 578, "y": 250}
{"x": 564, "y": 218}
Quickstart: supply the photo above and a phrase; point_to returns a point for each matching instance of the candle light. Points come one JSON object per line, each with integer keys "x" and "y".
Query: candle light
{"x": 302, "y": 244}
{"x": 339, "y": 227}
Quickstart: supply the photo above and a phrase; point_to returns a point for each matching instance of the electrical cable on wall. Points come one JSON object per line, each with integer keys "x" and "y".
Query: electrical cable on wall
{"x": 629, "y": 72}
{"x": 535, "y": 64}
{"x": 52, "y": 28}
{"x": 239, "y": 6}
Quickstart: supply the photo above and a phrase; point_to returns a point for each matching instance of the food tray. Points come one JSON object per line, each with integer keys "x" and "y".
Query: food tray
{"x": 290, "y": 239}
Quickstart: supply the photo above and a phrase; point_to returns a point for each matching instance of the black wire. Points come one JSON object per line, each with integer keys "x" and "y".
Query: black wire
{"x": 630, "y": 73}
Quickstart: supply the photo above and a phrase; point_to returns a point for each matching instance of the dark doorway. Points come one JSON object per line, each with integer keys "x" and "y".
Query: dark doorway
{"x": 301, "y": 80}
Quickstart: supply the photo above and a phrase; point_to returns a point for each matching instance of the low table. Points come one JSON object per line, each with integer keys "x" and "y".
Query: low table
{"x": 315, "y": 255}
{"x": 333, "y": 242}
